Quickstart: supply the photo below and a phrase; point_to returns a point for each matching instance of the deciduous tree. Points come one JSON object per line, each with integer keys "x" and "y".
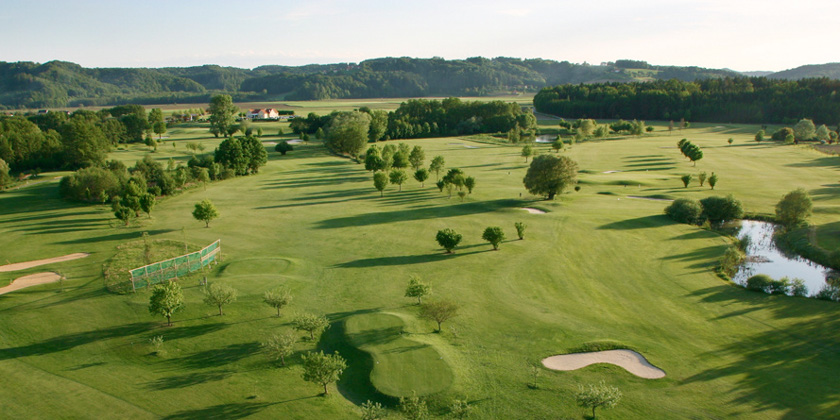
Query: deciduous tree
{"x": 278, "y": 346}
{"x": 311, "y": 324}
{"x": 166, "y": 299}
{"x": 222, "y": 114}
{"x": 205, "y": 211}
{"x": 421, "y": 175}
{"x": 398, "y": 177}
{"x": 549, "y": 175}
{"x": 494, "y": 235}
{"x": 437, "y": 166}
{"x": 595, "y": 396}
{"x": 439, "y": 311}
{"x": 794, "y": 208}
{"x": 380, "y": 182}
{"x": 323, "y": 368}
{"x": 219, "y": 295}
{"x": 278, "y": 298}
{"x": 417, "y": 289}
{"x": 448, "y": 239}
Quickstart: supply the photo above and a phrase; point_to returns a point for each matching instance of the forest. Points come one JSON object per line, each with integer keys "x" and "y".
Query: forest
{"x": 756, "y": 100}
{"x": 58, "y": 84}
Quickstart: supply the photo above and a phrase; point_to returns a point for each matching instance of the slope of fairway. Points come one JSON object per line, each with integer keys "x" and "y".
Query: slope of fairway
{"x": 596, "y": 266}
{"x": 402, "y": 366}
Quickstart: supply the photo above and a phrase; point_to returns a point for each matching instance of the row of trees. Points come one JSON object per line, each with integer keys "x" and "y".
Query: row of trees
{"x": 713, "y": 209}
{"x": 733, "y": 99}
{"x": 448, "y": 239}
{"x": 690, "y": 150}
{"x": 702, "y": 177}
{"x": 347, "y": 132}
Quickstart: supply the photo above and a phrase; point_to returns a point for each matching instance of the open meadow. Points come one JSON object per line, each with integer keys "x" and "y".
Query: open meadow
{"x": 603, "y": 267}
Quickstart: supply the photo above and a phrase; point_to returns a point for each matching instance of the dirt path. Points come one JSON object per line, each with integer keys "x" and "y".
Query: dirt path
{"x": 30, "y": 280}
{"x": 633, "y": 362}
{"x": 30, "y": 264}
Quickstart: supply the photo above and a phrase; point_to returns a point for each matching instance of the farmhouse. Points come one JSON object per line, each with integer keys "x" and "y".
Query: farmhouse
{"x": 263, "y": 114}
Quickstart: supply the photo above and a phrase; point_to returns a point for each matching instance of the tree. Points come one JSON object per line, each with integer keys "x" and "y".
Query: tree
{"x": 557, "y": 145}
{"x": 494, "y": 235}
{"x": 421, "y": 175}
{"x": 713, "y": 180}
{"x": 319, "y": 133}
{"x": 804, "y": 130}
{"x": 255, "y": 154}
{"x": 380, "y": 181}
{"x": 684, "y": 210}
{"x": 759, "y": 136}
{"x": 469, "y": 182}
{"x": 439, "y": 311}
{"x": 448, "y": 239}
{"x": 373, "y": 411}
{"x": 219, "y": 295}
{"x": 414, "y": 407}
{"x": 520, "y": 230}
{"x": 730, "y": 140}
{"x": 417, "y": 157}
{"x": 5, "y": 179}
{"x": 398, "y": 177}
{"x": 222, "y": 114}
{"x": 201, "y": 175}
{"x": 166, "y": 299}
{"x": 417, "y": 289}
{"x": 347, "y": 132}
{"x": 373, "y": 160}
{"x": 323, "y": 368}
{"x": 702, "y": 178}
{"x": 437, "y": 166}
{"x": 718, "y": 209}
{"x": 232, "y": 154}
{"x": 310, "y": 323}
{"x": 278, "y": 346}
{"x": 205, "y": 211}
{"x": 400, "y": 160}
{"x": 378, "y": 125}
{"x": 147, "y": 203}
{"x": 159, "y": 129}
{"x": 278, "y": 298}
{"x": 527, "y": 151}
{"x": 794, "y": 208}
{"x": 124, "y": 214}
{"x": 686, "y": 179}
{"x": 549, "y": 175}
{"x": 440, "y": 184}
{"x": 283, "y": 147}
{"x": 823, "y": 133}
{"x": 460, "y": 408}
{"x": 594, "y": 396}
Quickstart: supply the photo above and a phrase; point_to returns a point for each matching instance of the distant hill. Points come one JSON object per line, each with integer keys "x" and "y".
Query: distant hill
{"x": 58, "y": 84}
{"x": 756, "y": 73}
{"x": 830, "y": 70}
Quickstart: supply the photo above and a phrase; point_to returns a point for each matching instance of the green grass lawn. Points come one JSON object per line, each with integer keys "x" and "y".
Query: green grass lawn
{"x": 598, "y": 266}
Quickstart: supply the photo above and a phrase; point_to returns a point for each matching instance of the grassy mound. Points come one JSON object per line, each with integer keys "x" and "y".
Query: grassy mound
{"x": 401, "y": 365}
{"x": 131, "y": 255}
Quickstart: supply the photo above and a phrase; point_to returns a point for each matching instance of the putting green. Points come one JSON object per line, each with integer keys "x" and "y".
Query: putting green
{"x": 401, "y": 365}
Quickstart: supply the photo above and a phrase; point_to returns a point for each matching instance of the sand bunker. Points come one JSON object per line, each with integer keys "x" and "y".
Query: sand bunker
{"x": 471, "y": 147}
{"x": 295, "y": 141}
{"x": 30, "y": 264}
{"x": 633, "y": 362}
{"x": 610, "y": 172}
{"x": 30, "y": 280}
{"x": 533, "y": 211}
{"x": 269, "y": 142}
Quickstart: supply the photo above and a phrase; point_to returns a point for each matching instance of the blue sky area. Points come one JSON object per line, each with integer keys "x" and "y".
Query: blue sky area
{"x": 737, "y": 34}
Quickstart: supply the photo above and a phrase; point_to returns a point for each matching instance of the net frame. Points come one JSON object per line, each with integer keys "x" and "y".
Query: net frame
{"x": 179, "y": 266}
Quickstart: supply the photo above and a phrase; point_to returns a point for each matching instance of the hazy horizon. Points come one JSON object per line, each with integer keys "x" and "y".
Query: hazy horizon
{"x": 750, "y": 36}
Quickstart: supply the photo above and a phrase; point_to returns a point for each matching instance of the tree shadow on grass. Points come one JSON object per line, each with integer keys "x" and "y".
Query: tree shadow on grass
{"x": 220, "y": 412}
{"x": 69, "y": 341}
{"x": 135, "y": 234}
{"x": 638, "y": 223}
{"x": 218, "y": 357}
{"x": 791, "y": 369}
{"x": 188, "y": 332}
{"x": 190, "y": 379}
{"x": 439, "y": 212}
{"x": 411, "y": 259}
{"x": 704, "y": 257}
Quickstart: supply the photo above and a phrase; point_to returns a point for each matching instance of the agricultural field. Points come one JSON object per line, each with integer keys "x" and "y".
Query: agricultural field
{"x": 602, "y": 268}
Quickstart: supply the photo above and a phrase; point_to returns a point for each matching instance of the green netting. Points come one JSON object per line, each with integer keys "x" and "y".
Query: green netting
{"x": 174, "y": 267}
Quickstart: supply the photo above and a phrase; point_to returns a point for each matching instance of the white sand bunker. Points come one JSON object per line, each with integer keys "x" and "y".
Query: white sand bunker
{"x": 269, "y": 142}
{"x": 30, "y": 264}
{"x": 30, "y": 280}
{"x": 295, "y": 141}
{"x": 610, "y": 172}
{"x": 533, "y": 210}
{"x": 649, "y": 198}
{"x": 471, "y": 147}
{"x": 633, "y": 362}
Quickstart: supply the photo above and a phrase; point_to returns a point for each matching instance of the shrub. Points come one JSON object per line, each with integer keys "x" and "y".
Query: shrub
{"x": 684, "y": 210}
{"x": 718, "y": 209}
{"x": 759, "y": 283}
{"x": 798, "y": 288}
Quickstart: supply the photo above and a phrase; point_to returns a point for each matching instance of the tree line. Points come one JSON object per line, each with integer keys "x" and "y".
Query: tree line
{"x": 729, "y": 99}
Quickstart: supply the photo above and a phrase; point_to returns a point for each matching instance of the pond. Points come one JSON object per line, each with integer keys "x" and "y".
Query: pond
{"x": 763, "y": 257}
{"x": 546, "y": 138}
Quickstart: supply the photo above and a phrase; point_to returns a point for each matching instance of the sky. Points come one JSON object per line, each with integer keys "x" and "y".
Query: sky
{"x": 743, "y": 35}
